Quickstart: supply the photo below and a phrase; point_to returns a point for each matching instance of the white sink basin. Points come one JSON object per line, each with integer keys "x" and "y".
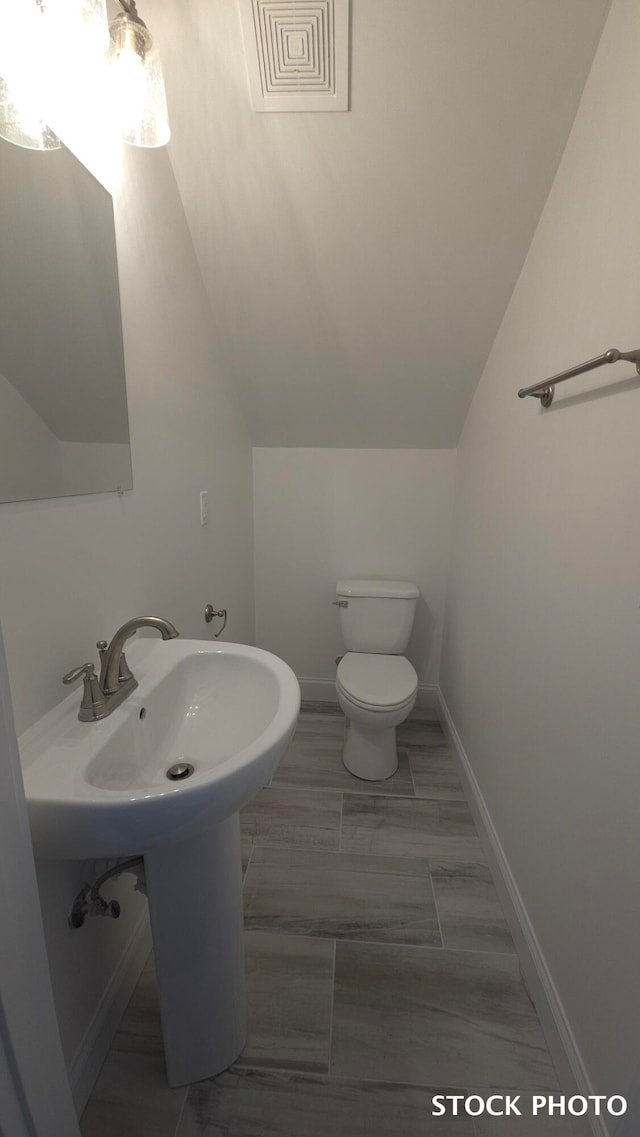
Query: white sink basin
{"x": 101, "y": 789}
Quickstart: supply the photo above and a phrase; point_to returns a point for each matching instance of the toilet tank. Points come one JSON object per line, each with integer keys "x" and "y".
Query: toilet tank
{"x": 376, "y": 615}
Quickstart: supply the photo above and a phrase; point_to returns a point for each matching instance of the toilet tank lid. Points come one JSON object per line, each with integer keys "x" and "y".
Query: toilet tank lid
{"x": 389, "y": 589}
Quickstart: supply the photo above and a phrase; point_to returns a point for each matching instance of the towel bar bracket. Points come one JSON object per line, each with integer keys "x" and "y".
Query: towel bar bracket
{"x": 545, "y": 395}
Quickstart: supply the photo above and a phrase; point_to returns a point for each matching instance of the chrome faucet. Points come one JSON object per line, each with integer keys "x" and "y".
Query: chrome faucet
{"x": 102, "y": 695}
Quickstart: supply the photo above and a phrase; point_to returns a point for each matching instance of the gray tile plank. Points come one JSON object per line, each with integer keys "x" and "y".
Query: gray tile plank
{"x": 301, "y": 858}
{"x": 423, "y": 714}
{"x": 315, "y": 760}
{"x": 321, "y": 726}
{"x": 434, "y": 770}
{"x": 471, "y": 915}
{"x": 341, "y": 895}
{"x": 528, "y": 1125}
{"x": 131, "y": 1096}
{"x": 428, "y": 1016}
{"x": 417, "y": 734}
{"x": 405, "y": 828}
{"x": 291, "y": 816}
{"x": 435, "y": 775}
{"x": 140, "y": 1028}
{"x": 314, "y": 706}
{"x": 289, "y": 996}
{"x": 256, "y": 1103}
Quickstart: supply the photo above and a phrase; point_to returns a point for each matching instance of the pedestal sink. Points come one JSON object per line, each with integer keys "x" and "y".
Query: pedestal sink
{"x": 97, "y": 790}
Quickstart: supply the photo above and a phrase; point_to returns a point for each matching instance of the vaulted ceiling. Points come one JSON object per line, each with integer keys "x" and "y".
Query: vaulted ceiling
{"x": 359, "y": 264}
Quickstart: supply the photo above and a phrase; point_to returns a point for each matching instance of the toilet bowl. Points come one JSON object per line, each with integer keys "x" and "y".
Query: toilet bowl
{"x": 376, "y": 686}
{"x": 376, "y": 693}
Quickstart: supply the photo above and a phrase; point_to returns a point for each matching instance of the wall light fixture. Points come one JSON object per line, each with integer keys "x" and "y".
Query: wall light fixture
{"x": 22, "y": 87}
{"x": 137, "y": 85}
{"x": 47, "y": 48}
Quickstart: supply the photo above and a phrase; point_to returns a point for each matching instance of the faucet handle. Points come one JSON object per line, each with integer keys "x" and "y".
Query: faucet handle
{"x": 92, "y": 697}
{"x": 87, "y": 670}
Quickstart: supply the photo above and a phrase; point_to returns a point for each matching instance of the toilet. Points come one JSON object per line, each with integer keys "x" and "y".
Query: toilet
{"x": 375, "y": 684}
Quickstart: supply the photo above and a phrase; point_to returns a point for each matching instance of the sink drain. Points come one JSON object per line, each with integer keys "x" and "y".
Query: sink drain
{"x": 179, "y": 771}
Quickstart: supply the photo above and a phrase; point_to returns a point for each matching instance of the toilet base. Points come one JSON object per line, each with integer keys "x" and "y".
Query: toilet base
{"x": 370, "y": 752}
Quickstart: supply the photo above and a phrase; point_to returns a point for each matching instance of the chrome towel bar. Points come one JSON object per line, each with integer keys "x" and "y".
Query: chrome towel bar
{"x": 546, "y": 389}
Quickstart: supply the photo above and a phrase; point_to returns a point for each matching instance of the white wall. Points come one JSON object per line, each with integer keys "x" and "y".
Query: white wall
{"x": 325, "y": 514}
{"x": 72, "y": 570}
{"x": 541, "y": 651}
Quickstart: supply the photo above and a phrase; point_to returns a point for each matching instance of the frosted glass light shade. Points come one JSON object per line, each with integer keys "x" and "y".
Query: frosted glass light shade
{"x": 137, "y": 84}
{"x": 77, "y": 27}
{"x": 22, "y": 84}
{"x": 21, "y": 121}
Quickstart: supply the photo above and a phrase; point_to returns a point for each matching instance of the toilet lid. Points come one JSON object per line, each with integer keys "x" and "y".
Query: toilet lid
{"x": 377, "y": 680}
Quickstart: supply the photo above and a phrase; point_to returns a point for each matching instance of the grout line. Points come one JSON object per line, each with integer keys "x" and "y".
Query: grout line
{"x": 319, "y": 938}
{"x": 244, "y": 876}
{"x": 182, "y": 1109}
{"x": 413, "y": 781}
{"x": 370, "y": 856}
{"x": 279, "y": 932}
{"x": 333, "y": 1000}
{"x": 418, "y": 797}
{"x": 435, "y": 904}
{"x": 432, "y": 855}
{"x": 301, "y": 789}
{"x": 342, "y": 1079}
{"x": 431, "y": 1087}
{"x": 356, "y": 791}
{"x": 419, "y": 947}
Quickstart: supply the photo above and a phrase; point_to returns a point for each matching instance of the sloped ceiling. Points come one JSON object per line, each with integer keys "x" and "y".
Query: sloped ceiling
{"x": 359, "y": 264}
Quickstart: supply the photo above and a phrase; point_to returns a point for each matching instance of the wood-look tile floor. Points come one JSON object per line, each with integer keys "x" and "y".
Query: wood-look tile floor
{"x": 380, "y": 968}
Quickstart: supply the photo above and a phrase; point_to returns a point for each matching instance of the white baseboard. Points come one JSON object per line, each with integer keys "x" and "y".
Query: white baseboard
{"x": 427, "y": 696}
{"x": 318, "y": 690}
{"x": 92, "y": 1051}
{"x": 570, "y": 1067}
{"x": 324, "y": 691}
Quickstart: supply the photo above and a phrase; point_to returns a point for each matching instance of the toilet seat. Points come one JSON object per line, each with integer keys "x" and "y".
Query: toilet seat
{"x": 376, "y": 682}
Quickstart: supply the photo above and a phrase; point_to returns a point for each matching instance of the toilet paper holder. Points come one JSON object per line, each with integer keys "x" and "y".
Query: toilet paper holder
{"x": 209, "y": 614}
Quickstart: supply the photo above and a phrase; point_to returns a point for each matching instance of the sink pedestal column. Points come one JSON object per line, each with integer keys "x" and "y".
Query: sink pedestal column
{"x": 195, "y": 903}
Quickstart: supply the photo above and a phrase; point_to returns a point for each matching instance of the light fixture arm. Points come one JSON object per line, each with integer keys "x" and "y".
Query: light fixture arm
{"x": 134, "y": 32}
{"x": 129, "y": 8}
